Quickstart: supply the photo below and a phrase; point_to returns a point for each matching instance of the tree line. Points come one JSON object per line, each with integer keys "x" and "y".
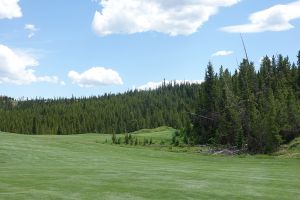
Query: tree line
{"x": 110, "y": 113}
{"x": 252, "y": 109}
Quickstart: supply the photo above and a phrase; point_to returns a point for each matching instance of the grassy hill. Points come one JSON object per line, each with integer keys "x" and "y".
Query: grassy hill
{"x": 84, "y": 167}
{"x": 157, "y": 136}
{"x": 291, "y": 150}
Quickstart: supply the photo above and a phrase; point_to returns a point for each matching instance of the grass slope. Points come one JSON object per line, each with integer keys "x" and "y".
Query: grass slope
{"x": 82, "y": 167}
{"x": 157, "y": 135}
{"x": 291, "y": 150}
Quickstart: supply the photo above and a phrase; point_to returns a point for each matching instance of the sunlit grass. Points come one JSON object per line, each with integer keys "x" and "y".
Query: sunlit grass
{"x": 85, "y": 167}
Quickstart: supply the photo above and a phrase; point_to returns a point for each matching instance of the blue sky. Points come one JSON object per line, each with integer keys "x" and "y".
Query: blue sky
{"x": 63, "y": 48}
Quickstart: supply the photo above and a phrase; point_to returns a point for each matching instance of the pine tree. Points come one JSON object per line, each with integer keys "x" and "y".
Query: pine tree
{"x": 298, "y": 80}
{"x": 210, "y": 90}
{"x": 248, "y": 106}
{"x": 34, "y": 126}
{"x": 204, "y": 126}
{"x": 230, "y": 128}
{"x": 293, "y": 110}
{"x": 269, "y": 138}
{"x": 298, "y": 61}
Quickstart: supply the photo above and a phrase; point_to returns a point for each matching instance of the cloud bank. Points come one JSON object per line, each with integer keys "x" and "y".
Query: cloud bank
{"x": 95, "y": 76}
{"x": 172, "y": 17}
{"x": 16, "y": 67}
{"x": 276, "y": 18}
{"x": 10, "y": 9}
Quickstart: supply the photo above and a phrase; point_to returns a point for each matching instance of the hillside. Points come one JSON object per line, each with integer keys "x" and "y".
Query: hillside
{"x": 110, "y": 113}
{"x": 250, "y": 109}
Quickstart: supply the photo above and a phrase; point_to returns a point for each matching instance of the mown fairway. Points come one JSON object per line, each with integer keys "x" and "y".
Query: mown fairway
{"x": 82, "y": 167}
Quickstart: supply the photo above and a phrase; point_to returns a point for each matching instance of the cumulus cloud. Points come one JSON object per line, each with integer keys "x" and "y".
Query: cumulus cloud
{"x": 10, "y": 9}
{"x": 96, "y": 76}
{"x": 222, "y": 53}
{"x": 155, "y": 85}
{"x": 16, "y": 67}
{"x": 276, "y": 18}
{"x": 172, "y": 17}
{"x": 31, "y": 28}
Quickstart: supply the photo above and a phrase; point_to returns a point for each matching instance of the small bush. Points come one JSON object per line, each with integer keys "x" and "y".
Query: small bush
{"x": 131, "y": 141}
{"x": 176, "y": 143}
{"x": 126, "y": 139}
{"x": 119, "y": 141}
{"x": 114, "y": 138}
{"x": 185, "y": 139}
{"x": 145, "y": 142}
{"x": 173, "y": 139}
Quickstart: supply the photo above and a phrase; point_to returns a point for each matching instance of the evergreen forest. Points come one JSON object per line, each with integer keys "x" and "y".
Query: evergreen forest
{"x": 252, "y": 109}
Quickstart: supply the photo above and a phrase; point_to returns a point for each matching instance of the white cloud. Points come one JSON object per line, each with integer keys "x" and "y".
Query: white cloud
{"x": 155, "y": 85}
{"x": 31, "y": 28}
{"x": 62, "y": 83}
{"x": 10, "y": 9}
{"x": 276, "y": 18}
{"x": 172, "y": 17}
{"x": 96, "y": 76}
{"x": 222, "y": 53}
{"x": 16, "y": 68}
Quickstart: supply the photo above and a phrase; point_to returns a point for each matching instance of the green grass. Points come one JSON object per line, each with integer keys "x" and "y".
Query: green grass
{"x": 158, "y": 134}
{"x": 82, "y": 167}
{"x": 291, "y": 150}
{"x": 162, "y": 140}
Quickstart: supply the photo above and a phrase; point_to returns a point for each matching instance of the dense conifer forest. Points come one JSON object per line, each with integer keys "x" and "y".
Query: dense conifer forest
{"x": 111, "y": 113}
{"x": 251, "y": 109}
{"x": 255, "y": 110}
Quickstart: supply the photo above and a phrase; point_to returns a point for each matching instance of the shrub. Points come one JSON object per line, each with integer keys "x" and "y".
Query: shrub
{"x": 176, "y": 143}
{"x": 126, "y": 138}
{"x": 145, "y": 142}
{"x": 114, "y": 138}
{"x": 119, "y": 140}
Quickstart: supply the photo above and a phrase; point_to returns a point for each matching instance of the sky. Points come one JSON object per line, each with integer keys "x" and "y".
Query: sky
{"x": 60, "y": 48}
